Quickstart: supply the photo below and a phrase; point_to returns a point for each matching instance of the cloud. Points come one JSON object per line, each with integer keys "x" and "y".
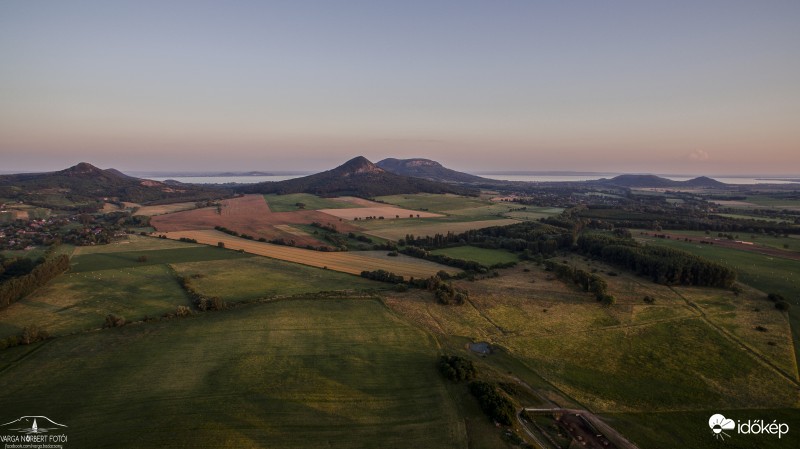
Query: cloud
{"x": 698, "y": 155}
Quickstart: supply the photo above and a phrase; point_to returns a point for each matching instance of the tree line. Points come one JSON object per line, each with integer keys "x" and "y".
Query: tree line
{"x": 16, "y": 288}
{"x": 444, "y": 292}
{"x": 457, "y": 368}
{"x": 589, "y": 282}
{"x": 199, "y": 300}
{"x": 663, "y": 265}
{"x": 528, "y": 237}
{"x": 494, "y": 403}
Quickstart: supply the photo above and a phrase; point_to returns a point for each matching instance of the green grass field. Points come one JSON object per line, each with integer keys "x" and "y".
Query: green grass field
{"x": 442, "y": 203}
{"x": 261, "y": 277}
{"x": 131, "y": 259}
{"x": 481, "y": 255}
{"x": 398, "y": 229}
{"x": 133, "y": 243}
{"x": 752, "y": 217}
{"x": 310, "y": 373}
{"x": 790, "y": 243}
{"x": 288, "y": 202}
{"x": 534, "y": 213}
{"x": 77, "y": 301}
{"x": 110, "y": 279}
{"x": 631, "y": 357}
{"x": 766, "y": 273}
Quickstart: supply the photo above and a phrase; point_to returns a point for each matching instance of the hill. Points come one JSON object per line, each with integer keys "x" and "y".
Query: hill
{"x": 84, "y": 183}
{"x": 426, "y": 169}
{"x": 703, "y": 181}
{"x": 356, "y": 177}
{"x": 657, "y": 181}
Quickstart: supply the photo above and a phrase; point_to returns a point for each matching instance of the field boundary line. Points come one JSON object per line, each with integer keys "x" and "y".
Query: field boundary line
{"x": 753, "y": 353}
{"x": 26, "y": 355}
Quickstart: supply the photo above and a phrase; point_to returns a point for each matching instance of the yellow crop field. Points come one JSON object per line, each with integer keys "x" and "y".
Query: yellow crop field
{"x": 164, "y": 209}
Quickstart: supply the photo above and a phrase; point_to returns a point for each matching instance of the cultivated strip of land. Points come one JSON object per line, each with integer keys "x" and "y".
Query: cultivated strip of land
{"x": 432, "y": 228}
{"x": 353, "y": 262}
{"x": 386, "y": 212}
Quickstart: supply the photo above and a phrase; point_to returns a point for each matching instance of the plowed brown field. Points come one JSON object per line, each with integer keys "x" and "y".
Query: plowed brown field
{"x": 251, "y": 215}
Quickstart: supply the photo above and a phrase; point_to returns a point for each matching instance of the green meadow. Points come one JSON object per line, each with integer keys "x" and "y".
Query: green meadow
{"x": 260, "y": 277}
{"x": 289, "y": 374}
{"x": 288, "y": 202}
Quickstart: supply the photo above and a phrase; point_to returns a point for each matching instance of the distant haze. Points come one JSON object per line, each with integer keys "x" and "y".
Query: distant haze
{"x": 692, "y": 87}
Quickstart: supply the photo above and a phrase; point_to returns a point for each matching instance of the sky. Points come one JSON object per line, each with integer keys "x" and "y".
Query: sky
{"x": 690, "y": 87}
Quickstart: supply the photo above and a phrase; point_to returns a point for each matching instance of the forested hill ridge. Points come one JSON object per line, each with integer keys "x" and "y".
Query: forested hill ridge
{"x": 658, "y": 181}
{"x": 84, "y": 183}
{"x": 358, "y": 177}
{"x": 427, "y": 169}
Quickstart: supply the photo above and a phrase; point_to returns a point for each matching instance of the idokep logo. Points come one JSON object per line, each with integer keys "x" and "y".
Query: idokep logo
{"x": 719, "y": 424}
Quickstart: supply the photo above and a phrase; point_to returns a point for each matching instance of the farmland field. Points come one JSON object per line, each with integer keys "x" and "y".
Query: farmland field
{"x": 398, "y": 229}
{"x": 353, "y": 262}
{"x": 299, "y": 373}
{"x": 624, "y": 358}
{"x": 250, "y": 215}
{"x": 133, "y": 259}
{"x": 163, "y": 208}
{"x": 132, "y": 243}
{"x": 288, "y": 202}
{"x": 766, "y": 273}
{"x": 434, "y": 202}
{"x": 387, "y": 212}
{"x": 78, "y": 301}
{"x": 260, "y": 277}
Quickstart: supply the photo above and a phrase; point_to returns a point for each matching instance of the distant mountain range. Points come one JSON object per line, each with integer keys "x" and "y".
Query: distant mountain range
{"x": 358, "y": 177}
{"x": 658, "y": 182}
{"x": 84, "y": 183}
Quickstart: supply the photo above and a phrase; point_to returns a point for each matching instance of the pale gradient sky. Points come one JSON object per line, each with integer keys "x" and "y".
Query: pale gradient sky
{"x": 696, "y": 87}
